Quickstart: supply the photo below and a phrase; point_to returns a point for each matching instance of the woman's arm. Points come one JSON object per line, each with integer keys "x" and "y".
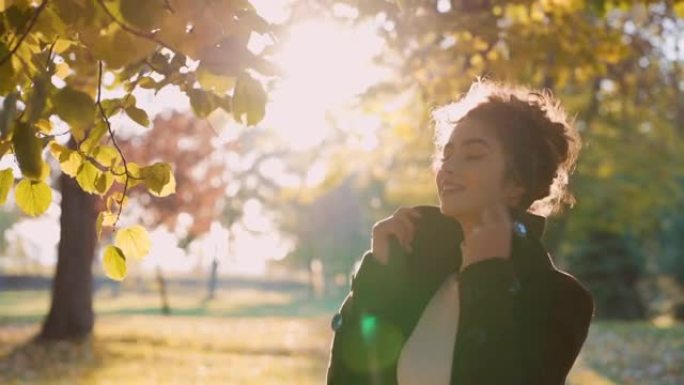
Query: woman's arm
{"x": 363, "y": 341}
{"x": 521, "y": 331}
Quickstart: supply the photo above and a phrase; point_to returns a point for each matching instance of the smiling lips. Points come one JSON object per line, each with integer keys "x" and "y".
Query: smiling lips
{"x": 452, "y": 187}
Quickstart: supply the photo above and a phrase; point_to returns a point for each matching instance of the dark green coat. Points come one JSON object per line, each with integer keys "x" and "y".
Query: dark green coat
{"x": 522, "y": 320}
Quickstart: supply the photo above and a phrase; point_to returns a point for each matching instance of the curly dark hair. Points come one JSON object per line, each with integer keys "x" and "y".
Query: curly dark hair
{"x": 540, "y": 142}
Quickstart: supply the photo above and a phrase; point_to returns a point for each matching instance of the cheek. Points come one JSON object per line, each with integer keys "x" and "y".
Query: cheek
{"x": 483, "y": 178}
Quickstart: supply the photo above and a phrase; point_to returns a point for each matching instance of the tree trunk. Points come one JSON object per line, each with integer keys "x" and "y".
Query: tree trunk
{"x": 161, "y": 283}
{"x": 213, "y": 278}
{"x": 71, "y": 311}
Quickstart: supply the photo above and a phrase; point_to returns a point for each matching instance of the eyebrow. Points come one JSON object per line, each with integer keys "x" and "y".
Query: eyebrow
{"x": 469, "y": 141}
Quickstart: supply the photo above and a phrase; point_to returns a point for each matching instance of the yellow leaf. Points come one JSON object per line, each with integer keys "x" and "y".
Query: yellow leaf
{"x": 134, "y": 173}
{"x": 4, "y": 147}
{"x": 159, "y": 179}
{"x": 114, "y": 263}
{"x": 44, "y": 171}
{"x": 56, "y": 149}
{"x": 6, "y": 182}
{"x": 210, "y": 81}
{"x": 138, "y": 115}
{"x": 104, "y": 219}
{"x": 94, "y": 137}
{"x": 106, "y": 155}
{"x": 70, "y": 161}
{"x": 679, "y": 9}
{"x": 133, "y": 241}
{"x": 103, "y": 182}
{"x": 62, "y": 70}
{"x": 44, "y": 126}
{"x": 33, "y": 197}
{"x": 87, "y": 176}
{"x": 401, "y": 4}
{"x": 4, "y": 4}
{"x": 249, "y": 98}
{"x": 118, "y": 198}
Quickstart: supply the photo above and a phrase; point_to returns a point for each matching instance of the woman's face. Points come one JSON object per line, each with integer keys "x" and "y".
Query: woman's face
{"x": 470, "y": 176}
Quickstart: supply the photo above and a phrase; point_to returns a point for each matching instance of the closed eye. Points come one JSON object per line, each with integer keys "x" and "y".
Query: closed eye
{"x": 473, "y": 157}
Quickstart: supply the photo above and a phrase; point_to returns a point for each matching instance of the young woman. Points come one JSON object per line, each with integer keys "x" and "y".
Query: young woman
{"x": 465, "y": 293}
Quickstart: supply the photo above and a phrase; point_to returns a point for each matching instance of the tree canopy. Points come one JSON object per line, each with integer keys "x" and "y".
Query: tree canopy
{"x": 58, "y": 59}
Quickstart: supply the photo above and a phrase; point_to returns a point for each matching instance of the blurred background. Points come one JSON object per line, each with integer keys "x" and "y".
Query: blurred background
{"x": 252, "y": 255}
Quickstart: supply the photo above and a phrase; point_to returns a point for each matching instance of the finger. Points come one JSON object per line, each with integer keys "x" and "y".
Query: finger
{"x": 410, "y": 231}
{"x": 415, "y": 213}
{"x": 401, "y": 232}
{"x": 408, "y": 223}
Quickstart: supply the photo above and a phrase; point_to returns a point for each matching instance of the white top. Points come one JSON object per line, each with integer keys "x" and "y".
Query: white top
{"x": 426, "y": 357}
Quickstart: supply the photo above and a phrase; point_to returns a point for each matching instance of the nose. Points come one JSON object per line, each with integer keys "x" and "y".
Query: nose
{"x": 449, "y": 165}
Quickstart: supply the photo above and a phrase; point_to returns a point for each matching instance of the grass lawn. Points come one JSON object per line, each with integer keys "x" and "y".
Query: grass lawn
{"x": 250, "y": 336}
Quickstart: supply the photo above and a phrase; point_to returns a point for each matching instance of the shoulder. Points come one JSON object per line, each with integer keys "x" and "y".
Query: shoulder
{"x": 571, "y": 296}
{"x": 436, "y": 239}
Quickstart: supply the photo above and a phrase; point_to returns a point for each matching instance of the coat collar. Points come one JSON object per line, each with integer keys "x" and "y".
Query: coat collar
{"x": 534, "y": 223}
{"x": 438, "y": 236}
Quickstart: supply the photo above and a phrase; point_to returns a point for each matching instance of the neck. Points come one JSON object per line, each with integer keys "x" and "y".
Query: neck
{"x": 468, "y": 224}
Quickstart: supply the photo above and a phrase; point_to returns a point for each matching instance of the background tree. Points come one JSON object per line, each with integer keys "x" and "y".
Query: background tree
{"x": 616, "y": 64}
{"x": 57, "y": 59}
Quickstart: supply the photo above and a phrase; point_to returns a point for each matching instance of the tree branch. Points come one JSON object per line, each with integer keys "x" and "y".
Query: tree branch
{"x": 145, "y": 35}
{"x": 31, "y": 23}
{"x": 111, "y": 135}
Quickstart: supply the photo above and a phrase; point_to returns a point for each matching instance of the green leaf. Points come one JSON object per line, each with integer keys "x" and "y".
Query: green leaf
{"x": 114, "y": 263}
{"x": 39, "y": 94}
{"x": 111, "y": 106}
{"x": 249, "y": 99}
{"x": 94, "y": 137}
{"x": 210, "y": 81}
{"x": 147, "y": 82}
{"x": 138, "y": 115}
{"x": 75, "y": 13}
{"x": 74, "y": 107}
{"x": 202, "y": 102}
{"x": 145, "y": 15}
{"x": 9, "y": 110}
{"x": 133, "y": 241}
{"x": 7, "y": 79}
{"x": 33, "y": 197}
{"x": 27, "y": 149}
{"x": 6, "y": 182}
{"x": 159, "y": 179}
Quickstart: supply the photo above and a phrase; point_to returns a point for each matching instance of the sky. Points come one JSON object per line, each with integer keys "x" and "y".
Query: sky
{"x": 326, "y": 65}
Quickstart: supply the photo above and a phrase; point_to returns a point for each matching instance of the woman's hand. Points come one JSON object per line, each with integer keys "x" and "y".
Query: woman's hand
{"x": 491, "y": 239}
{"x": 401, "y": 225}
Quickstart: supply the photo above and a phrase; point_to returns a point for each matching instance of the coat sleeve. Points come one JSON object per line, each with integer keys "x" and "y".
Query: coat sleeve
{"x": 524, "y": 331}
{"x": 362, "y": 344}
